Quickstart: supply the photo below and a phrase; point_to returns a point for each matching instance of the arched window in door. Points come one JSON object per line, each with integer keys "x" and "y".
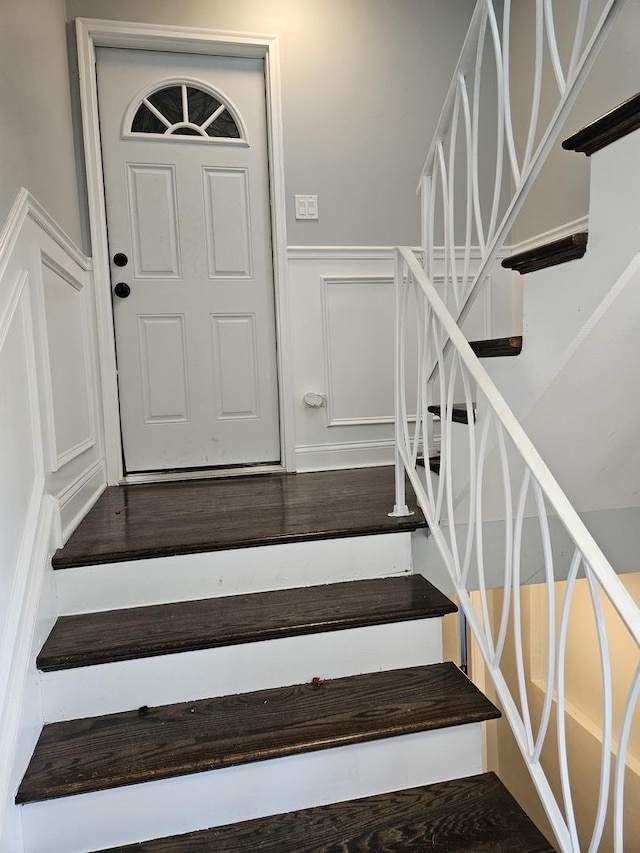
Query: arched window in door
{"x": 184, "y": 109}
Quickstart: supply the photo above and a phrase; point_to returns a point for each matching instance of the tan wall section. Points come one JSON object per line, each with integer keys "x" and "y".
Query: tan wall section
{"x": 584, "y": 714}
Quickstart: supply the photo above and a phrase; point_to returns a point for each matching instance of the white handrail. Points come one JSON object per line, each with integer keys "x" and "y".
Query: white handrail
{"x": 490, "y": 215}
{"x": 497, "y": 444}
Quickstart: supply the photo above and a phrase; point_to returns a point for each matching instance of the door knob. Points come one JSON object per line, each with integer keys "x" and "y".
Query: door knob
{"x": 120, "y": 259}
{"x": 122, "y": 290}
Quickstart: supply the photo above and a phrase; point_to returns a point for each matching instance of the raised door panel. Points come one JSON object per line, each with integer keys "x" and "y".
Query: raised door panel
{"x": 228, "y": 220}
{"x": 165, "y": 392}
{"x": 236, "y": 367}
{"x": 154, "y": 220}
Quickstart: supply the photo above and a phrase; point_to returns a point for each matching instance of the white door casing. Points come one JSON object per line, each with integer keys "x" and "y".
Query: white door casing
{"x": 195, "y": 335}
{"x": 94, "y": 33}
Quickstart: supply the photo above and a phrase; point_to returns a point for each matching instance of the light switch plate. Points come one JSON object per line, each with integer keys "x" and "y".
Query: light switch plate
{"x": 306, "y": 206}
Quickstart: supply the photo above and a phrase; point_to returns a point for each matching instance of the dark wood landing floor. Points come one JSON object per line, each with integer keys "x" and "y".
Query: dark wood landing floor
{"x": 158, "y": 743}
{"x": 116, "y": 635}
{"x": 473, "y": 815}
{"x": 162, "y": 519}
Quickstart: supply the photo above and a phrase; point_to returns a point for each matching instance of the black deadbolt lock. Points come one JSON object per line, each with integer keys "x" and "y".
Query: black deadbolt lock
{"x": 120, "y": 259}
{"x": 122, "y": 289}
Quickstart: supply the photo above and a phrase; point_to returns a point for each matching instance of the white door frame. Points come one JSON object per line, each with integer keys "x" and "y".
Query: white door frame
{"x": 96, "y": 33}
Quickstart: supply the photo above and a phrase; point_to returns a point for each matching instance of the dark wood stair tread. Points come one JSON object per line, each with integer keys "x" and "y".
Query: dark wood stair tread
{"x": 458, "y": 816}
{"x": 434, "y": 463}
{"x": 549, "y": 254}
{"x": 606, "y": 129}
{"x": 116, "y": 635}
{"x": 459, "y": 412}
{"x": 164, "y": 519}
{"x": 497, "y": 347}
{"x": 137, "y": 746}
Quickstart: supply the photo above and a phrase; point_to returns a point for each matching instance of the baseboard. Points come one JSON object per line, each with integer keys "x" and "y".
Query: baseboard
{"x": 21, "y": 708}
{"x": 79, "y": 496}
{"x": 355, "y": 454}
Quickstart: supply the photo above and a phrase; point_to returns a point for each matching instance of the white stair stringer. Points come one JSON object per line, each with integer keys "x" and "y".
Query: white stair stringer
{"x": 186, "y": 676}
{"x": 166, "y": 807}
{"x": 189, "y": 577}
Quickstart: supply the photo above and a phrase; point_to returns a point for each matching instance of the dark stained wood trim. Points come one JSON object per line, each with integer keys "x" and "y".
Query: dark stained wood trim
{"x": 618, "y": 122}
{"x": 173, "y": 740}
{"x": 434, "y": 463}
{"x": 459, "y": 413}
{"x": 549, "y": 254}
{"x": 165, "y": 519}
{"x": 472, "y": 814}
{"x": 117, "y": 635}
{"x": 497, "y": 347}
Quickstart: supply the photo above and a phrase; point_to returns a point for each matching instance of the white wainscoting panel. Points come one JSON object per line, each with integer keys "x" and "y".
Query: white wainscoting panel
{"x": 50, "y": 458}
{"x": 358, "y": 338}
{"x": 342, "y": 322}
{"x": 67, "y": 354}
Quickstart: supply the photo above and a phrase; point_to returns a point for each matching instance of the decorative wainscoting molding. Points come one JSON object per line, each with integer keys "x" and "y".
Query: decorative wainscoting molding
{"x": 356, "y": 335}
{"x": 50, "y": 457}
{"x": 342, "y": 308}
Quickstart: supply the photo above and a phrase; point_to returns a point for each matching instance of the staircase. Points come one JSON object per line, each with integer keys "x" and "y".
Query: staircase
{"x": 255, "y": 664}
{"x": 275, "y": 703}
{"x": 499, "y": 518}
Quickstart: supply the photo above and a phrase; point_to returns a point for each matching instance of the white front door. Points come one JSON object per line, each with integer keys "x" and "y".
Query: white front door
{"x": 187, "y": 192}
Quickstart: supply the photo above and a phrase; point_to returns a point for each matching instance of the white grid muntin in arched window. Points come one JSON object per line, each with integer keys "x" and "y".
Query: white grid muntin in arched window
{"x": 184, "y": 110}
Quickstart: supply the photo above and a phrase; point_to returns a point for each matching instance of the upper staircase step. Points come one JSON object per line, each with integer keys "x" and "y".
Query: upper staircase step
{"x": 116, "y": 635}
{"x": 434, "y": 463}
{"x": 459, "y": 413}
{"x": 497, "y": 347}
{"x": 560, "y": 251}
{"x": 472, "y": 814}
{"x": 164, "y": 519}
{"x": 173, "y": 740}
{"x": 613, "y": 125}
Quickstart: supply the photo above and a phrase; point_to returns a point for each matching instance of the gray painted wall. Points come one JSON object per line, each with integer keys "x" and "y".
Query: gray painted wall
{"x": 561, "y": 193}
{"x": 362, "y": 83}
{"x": 36, "y": 141}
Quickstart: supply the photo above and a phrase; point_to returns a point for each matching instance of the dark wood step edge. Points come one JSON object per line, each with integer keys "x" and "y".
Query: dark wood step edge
{"x": 497, "y": 347}
{"x": 434, "y": 463}
{"x": 98, "y": 638}
{"x": 407, "y": 524}
{"x": 459, "y": 412}
{"x": 560, "y": 251}
{"x": 126, "y": 748}
{"x": 478, "y": 809}
{"x": 618, "y": 122}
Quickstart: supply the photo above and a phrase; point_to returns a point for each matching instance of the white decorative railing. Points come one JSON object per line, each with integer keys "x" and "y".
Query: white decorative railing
{"x": 463, "y": 207}
{"x": 490, "y": 472}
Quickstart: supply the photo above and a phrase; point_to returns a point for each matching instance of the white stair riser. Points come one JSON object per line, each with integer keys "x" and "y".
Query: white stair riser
{"x": 95, "y": 690}
{"x": 188, "y": 577}
{"x": 87, "y": 822}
